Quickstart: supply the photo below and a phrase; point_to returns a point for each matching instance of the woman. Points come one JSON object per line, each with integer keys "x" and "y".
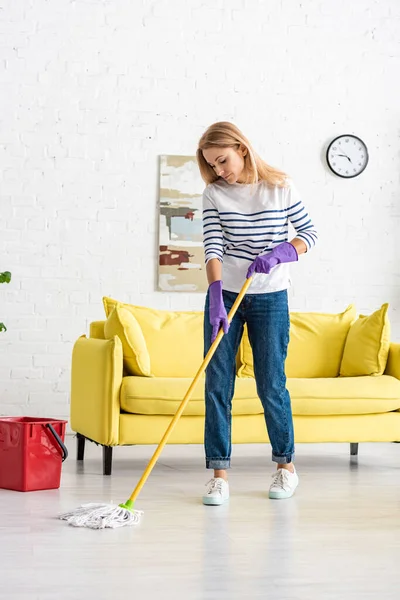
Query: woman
{"x": 247, "y": 207}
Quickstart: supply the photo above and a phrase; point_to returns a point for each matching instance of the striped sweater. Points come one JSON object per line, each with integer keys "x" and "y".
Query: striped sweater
{"x": 241, "y": 221}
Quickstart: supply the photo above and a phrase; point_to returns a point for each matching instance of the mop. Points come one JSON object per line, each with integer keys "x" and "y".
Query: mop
{"x": 101, "y": 516}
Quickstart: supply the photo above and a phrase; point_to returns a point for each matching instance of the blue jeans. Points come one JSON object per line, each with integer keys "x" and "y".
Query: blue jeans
{"x": 267, "y": 318}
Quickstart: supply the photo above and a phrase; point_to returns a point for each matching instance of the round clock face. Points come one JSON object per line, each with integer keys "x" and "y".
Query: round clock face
{"x": 347, "y": 156}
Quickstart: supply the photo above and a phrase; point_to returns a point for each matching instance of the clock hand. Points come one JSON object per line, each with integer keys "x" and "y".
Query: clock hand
{"x": 344, "y": 156}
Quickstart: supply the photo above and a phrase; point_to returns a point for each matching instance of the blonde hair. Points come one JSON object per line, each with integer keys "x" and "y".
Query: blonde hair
{"x": 224, "y": 134}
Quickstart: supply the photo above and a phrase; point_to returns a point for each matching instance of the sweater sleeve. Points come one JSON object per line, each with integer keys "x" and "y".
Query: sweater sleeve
{"x": 212, "y": 230}
{"x": 300, "y": 218}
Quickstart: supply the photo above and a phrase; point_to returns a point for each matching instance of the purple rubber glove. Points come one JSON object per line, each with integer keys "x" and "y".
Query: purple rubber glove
{"x": 283, "y": 253}
{"x": 217, "y": 312}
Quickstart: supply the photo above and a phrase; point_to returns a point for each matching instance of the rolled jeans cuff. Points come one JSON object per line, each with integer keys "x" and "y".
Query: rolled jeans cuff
{"x": 218, "y": 463}
{"x": 283, "y": 460}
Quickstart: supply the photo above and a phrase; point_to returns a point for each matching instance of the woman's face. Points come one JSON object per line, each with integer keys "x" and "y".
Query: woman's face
{"x": 227, "y": 162}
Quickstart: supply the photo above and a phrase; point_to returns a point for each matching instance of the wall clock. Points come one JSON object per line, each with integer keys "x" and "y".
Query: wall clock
{"x": 347, "y": 156}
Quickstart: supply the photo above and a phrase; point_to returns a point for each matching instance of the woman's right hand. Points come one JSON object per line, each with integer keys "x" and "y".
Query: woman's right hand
{"x": 217, "y": 312}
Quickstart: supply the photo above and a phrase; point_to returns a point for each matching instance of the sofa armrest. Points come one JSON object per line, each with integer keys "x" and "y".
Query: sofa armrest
{"x": 393, "y": 363}
{"x": 96, "y": 379}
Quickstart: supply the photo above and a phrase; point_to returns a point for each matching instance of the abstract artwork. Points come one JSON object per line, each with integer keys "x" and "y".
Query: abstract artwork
{"x": 181, "y": 254}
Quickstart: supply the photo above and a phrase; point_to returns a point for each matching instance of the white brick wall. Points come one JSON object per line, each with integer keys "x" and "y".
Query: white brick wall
{"x": 93, "y": 91}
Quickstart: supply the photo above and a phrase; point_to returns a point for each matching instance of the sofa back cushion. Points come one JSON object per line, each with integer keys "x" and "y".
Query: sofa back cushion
{"x": 367, "y": 345}
{"x": 174, "y": 339}
{"x": 97, "y": 330}
{"x": 315, "y": 348}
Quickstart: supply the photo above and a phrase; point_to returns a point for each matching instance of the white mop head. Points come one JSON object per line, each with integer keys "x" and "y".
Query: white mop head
{"x": 100, "y": 516}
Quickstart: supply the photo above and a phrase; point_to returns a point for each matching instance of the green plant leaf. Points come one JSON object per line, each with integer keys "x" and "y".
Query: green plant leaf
{"x": 5, "y": 277}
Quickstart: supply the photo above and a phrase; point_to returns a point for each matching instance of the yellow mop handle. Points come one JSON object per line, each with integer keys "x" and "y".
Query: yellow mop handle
{"x": 188, "y": 395}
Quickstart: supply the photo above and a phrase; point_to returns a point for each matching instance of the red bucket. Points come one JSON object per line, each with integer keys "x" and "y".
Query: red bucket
{"x": 31, "y": 453}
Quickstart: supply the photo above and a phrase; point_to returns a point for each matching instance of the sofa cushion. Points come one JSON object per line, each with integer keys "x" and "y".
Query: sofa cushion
{"x": 367, "y": 346}
{"x": 314, "y": 396}
{"x": 166, "y": 393}
{"x": 174, "y": 339}
{"x": 315, "y": 348}
{"x": 122, "y": 323}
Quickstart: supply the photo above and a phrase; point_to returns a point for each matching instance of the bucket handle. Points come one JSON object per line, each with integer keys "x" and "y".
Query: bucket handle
{"x": 59, "y": 441}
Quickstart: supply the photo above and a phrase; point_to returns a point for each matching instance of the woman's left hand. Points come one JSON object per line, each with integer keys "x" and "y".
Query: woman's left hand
{"x": 283, "y": 253}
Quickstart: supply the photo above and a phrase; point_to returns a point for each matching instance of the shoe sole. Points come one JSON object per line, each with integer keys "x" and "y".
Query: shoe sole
{"x": 213, "y": 501}
{"x": 280, "y": 495}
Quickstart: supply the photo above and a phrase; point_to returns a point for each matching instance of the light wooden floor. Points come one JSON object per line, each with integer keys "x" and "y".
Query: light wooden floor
{"x": 337, "y": 538}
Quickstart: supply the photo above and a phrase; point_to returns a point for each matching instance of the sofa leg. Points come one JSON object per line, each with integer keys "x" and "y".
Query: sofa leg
{"x": 107, "y": 460}
{"x": 354, "y": 449}
{"x": 80, "y": 446}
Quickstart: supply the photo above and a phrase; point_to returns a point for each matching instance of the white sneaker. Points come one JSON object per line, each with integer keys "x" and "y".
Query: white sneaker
{"x": 217, "y": 492}
{"x": 284, "y": 484}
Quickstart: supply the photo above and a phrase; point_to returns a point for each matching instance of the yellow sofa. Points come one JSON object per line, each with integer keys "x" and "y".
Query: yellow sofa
{"x": 343, "y": 377}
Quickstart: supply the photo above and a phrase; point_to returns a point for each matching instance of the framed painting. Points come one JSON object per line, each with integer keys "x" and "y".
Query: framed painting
{"x": 181, "y": 254}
